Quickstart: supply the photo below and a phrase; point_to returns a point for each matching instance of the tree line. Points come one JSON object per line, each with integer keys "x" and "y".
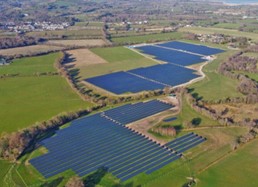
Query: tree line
{"x": 18, "y": 41}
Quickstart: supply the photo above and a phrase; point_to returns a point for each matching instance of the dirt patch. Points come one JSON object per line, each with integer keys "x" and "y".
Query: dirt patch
{"x": 84, "y": 57}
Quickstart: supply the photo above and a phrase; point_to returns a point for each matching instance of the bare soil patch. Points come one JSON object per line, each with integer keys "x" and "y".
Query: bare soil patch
{"x": 84, "y": 57}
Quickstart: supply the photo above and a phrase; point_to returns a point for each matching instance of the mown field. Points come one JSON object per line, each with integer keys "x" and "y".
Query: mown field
{"x": 238, "y": 169}
{"x": 147, "y": 38}
{"x": 118, "y": 58}
{"x": 28, "y": 98}
{"x": 232, "y": 32}
{"x": 30, "y": 66}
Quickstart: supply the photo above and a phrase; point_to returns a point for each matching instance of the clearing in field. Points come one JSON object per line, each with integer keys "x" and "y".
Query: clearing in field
{"x": 77, "y": 43}
{"x": 29, "y": 50}
{"x": 84, "y": 57}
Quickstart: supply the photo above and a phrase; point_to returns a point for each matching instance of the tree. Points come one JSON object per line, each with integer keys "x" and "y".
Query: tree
{"x": 74, "y": 182}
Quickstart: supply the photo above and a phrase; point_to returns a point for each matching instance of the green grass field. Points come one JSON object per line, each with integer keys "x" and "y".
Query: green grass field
{"x": 238, "y": 169}
{"x": 27, "y": 99}
{"x": 118, "y": 58}
{"x": 205, "y": 30}
{"x": 147, "y": 38}
{"x": 227, "y": 25}
{"x": 187, "y": 114}
{"x": 5, "y": 166}
{"x": 216, "y": 86}
{"x": 31, "y": 65}
{"x": 69, "y": 34}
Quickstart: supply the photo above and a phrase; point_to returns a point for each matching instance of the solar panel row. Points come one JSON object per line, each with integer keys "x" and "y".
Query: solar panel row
{"x": 167, "y": 74}
{"x": 123, "y": 82}
{"x": 95, "y": 141}
{"x": 185, "y": 142}
{"x": 137, "y": 111}
{"x": 199, "y": 49}
{"x": 171, "y": 56}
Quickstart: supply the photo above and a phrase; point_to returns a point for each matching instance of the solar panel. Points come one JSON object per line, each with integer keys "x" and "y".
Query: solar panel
{"x": 95, "y": 141}
{"x": 199, "y": 49}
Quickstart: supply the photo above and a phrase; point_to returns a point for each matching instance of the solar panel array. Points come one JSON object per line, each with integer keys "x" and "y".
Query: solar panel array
{"x": 193, "y": 48}
{"x": 171, "y": 56}
{"x": 134, "y": 112}
{"x": 96, "y": 141}
{"x": 185, "y": 142}
{"x": 149, "y": 78}
{"x": 168, "y": 74}
{"x": 122, "y": 82}
{"x": 176, "y": 54}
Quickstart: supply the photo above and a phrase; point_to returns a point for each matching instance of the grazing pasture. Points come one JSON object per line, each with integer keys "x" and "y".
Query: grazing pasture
{"x": 29, "y": 50}
{"x": 241, "y": 164}
{"x": 28, "y": 98}
{"x": 31, "y": 65}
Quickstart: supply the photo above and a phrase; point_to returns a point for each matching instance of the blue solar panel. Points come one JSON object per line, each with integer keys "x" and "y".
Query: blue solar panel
{"x": 171, "y": 56}
{"x": 185, "y": 142}
{"x": 95, "y": 141}
{"x": 137, "y": 111}
{"x": 199, "y": 49}
{"x": 167, "y": 74}
{"x": 122, "y": 82}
